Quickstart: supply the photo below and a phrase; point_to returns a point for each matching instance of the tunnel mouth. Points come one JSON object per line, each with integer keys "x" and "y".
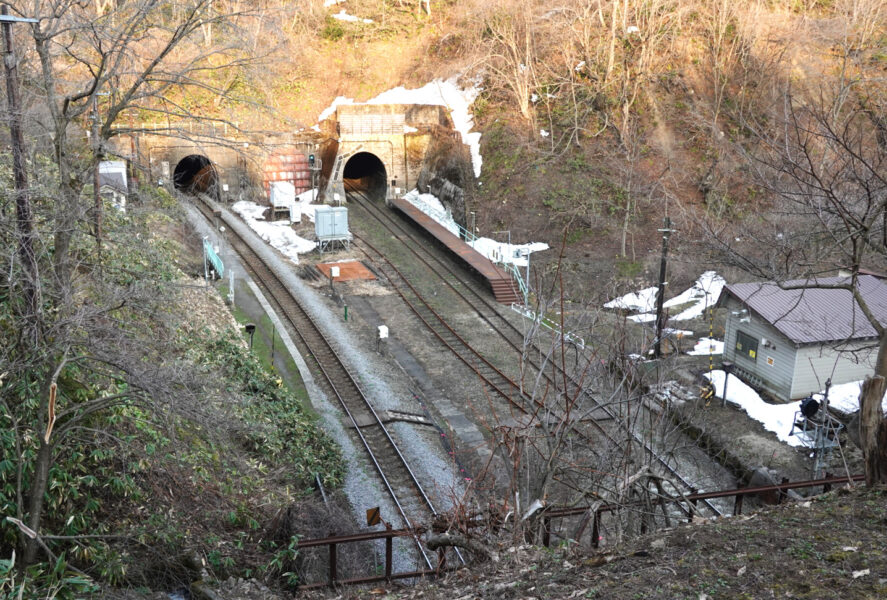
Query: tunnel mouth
{"x": 364, "y": 172}
{"x": 195, "y": 174}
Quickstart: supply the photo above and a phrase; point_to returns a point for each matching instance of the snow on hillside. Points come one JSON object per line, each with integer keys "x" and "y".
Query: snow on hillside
{"x": 703, "y": 294}
{"x": 496, "y": 251}
{"x": 440, "y": 93}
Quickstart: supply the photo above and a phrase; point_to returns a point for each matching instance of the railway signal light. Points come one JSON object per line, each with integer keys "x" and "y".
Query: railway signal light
{"x": 310, "y": 160}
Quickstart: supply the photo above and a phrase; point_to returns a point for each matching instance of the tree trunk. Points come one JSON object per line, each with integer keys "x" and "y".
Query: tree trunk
{"x": 70, "y": 211}
{"x": 24, "y": 216}
{"x": 454, "y": 539}
{"x": 35, "y": 500}
{"x": 872, "y": 424}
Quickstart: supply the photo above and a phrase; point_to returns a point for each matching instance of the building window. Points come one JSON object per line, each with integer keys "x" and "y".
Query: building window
{"x": 746, "y": 346}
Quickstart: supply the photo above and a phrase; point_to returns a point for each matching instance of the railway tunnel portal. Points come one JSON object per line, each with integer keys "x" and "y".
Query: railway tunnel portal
{"x": 195, "y": 173}
{"x": 365, "y": 172}
{"x": 384, "y": 150}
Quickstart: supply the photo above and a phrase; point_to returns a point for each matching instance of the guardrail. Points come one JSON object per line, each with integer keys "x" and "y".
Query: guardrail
{"x": 739, "y": 494}
{"x": 388, "y": 535}
{"x": 593, "y": 513}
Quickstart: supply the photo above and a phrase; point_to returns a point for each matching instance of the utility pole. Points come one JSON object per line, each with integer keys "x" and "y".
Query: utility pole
{"x": 660, "y": 296}
{"x": 24, "y": 216}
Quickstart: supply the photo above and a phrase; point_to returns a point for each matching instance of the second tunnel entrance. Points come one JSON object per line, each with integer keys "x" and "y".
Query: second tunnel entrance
{"x": 364, "y": 172}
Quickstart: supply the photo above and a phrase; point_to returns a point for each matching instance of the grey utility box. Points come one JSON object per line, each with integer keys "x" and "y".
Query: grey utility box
{"x": 330, "y": 221}
{"x": 331, "y": 225}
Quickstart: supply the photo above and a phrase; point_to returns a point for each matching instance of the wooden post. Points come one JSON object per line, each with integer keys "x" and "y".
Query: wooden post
{"x": 333, "y": 564}
{"x": 737, "y": 506}
{"x": 596, "y": 530}
{"x": 388, "y": 553}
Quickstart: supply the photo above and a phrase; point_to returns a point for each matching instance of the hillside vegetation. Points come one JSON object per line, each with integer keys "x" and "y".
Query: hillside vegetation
{"x": 171, "y": 448}
{"x": 131, "y": 443}
{"x": 598, "y": 118}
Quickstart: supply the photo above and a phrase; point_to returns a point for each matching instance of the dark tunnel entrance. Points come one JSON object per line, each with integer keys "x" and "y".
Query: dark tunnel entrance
{"x": 195, "y": 174}
{"x": 366, "y": 173}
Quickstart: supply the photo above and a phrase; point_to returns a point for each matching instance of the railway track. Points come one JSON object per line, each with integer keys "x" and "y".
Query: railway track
{"x": 476, "y": 299}
{"x": 398, "y": 479}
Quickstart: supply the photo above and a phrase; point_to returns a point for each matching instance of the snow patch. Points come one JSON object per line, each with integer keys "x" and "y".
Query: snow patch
{"x": 706, "y": 345}
{"x": 439, "y": 93}
{"x": 844, "y": 397}
{"x": 703, "y": 293}
{"x": 278, "y": 234}
{"x": 777, "y": 418}
{"x": 344, "y": 16}
{"x": 644, "y": 300}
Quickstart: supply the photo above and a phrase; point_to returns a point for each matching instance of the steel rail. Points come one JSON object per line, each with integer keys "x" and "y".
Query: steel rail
{"x": 391, "y": 224}
{"x": 253, "y": 260}
{"x": 461, "y": 341}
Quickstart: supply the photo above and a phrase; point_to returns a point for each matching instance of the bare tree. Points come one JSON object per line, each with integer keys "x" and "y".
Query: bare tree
{"x": 129, "y": 57}
{"x": 822, "y": 164}
{"x": 84, "y": 360}
{"x": 511, "y": 57}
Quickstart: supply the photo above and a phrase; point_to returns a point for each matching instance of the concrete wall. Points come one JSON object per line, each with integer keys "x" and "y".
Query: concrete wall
{"x": 414, "y": 115}
{"x": 398, "y": 135}
{"x": 237, "y": 163}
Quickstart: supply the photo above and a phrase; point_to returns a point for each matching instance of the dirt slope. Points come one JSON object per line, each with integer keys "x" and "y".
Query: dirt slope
{"x": 829, "y": 547}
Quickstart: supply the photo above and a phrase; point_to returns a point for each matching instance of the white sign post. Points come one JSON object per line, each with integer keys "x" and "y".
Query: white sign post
{"x": 334, "y": 273}
{"x": 383, "y": 335}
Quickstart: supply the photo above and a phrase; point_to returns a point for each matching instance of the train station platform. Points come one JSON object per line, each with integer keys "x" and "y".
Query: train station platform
{"x": 496, "y": 279}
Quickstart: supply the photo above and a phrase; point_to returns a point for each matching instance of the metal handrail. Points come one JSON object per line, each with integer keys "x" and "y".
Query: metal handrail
{"x": 546, "y": 518}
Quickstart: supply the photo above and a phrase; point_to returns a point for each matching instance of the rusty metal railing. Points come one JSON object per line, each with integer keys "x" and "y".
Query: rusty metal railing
{"x": 594, "y": 516}
{"x": 779, "y": 489}
{"x": 388, "y": 535}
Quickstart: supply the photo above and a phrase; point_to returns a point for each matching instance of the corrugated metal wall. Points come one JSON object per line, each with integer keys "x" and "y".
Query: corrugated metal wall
{"x": 816, "y": 363}
{"x": 774, "y": 365}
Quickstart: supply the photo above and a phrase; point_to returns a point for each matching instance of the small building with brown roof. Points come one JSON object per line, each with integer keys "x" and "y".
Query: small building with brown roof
{"x": 790, "y": 339}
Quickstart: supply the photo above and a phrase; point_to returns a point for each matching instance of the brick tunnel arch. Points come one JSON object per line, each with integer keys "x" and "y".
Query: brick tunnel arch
{"x": 366, "y": 172}
{"x": 195, "y": 173}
